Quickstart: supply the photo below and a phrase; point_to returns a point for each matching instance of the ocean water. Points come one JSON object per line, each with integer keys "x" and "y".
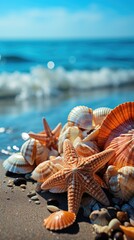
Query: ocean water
{"x": 48, "y": 78}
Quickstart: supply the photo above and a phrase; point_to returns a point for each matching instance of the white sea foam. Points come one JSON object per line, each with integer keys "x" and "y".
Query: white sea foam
{"x": 45, "y": 82}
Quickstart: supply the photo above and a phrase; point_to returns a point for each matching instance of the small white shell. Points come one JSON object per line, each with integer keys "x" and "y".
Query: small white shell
{"x": 82, "y": 117}
{"x": 17, "y": 164}
{"x": 99, "y": 114}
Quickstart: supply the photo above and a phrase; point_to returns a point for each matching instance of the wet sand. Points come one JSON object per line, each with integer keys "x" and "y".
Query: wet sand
{"x": 21, "y": 219}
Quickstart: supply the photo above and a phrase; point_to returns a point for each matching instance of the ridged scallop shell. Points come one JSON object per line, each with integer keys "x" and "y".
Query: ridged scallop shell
{"x": 33, "y": 151}
{"x": 129, "y": 232}
{"x": 46, "y": 169}
{"x": 86, "y": 150}
{"x": 59, "y": 220}
{"x": 121, "y": 183}
{"x": 70, "y": 133}
{"x": 117, "y": 132}
{"x": 17, "y": 164}
{"x": 82, "y": 117}
{"x": 99, "y": 114}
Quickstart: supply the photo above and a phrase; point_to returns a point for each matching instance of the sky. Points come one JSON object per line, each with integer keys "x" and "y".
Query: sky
{"x": 65, "y": 19}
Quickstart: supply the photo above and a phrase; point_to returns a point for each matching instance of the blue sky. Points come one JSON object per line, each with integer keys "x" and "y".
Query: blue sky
{"x": 52, "y": 19}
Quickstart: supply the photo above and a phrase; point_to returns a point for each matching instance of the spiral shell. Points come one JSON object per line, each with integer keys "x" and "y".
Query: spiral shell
{"x": 59, "y": 220}
{"x": 117, "y": 132}
{"x": 82, "y": 117}
{"x": 17, "y": 164}
{"x": 121, "y": 182}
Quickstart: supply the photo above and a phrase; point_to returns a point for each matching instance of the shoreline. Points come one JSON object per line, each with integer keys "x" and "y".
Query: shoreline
{"x": 23, "y": 219}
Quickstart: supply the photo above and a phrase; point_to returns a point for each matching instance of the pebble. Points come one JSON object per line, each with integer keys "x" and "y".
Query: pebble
{"x": 100, "y": 217}
{"x": 52, "y": 208}
{"x": 122, "y": 216}
{"x": 102, "y": 236}
{"x": 10, "y": 183}
{"x": 23, "y": 186}
{"x": 37, "y": 202}
{"x": 31, "y": 193}
{"x": 19, "y": 181}
{"x": 52, "y": 201}
{"x": 114, "y": 224}
{"x": 101, "y": 229}
{"x": 34, "y": 198}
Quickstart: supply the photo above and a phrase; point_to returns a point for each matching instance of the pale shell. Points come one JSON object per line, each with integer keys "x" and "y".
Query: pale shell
{"x": 86, "y": 150}
{"x": 17, "y": 164}
{"x": 99, "y": 114}
{"x": 59, "y": 220}
{"x": 122, "y": 184}
{"x": 82, "y": 117}
{"x": 117, "y": 132}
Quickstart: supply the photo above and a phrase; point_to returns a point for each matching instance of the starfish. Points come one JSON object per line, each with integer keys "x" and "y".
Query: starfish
{"x": 48, "y": 137}
{"x": 77, "y": 176}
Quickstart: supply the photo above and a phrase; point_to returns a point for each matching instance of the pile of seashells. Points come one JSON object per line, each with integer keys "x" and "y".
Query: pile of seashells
{"x": 92, "y": 153}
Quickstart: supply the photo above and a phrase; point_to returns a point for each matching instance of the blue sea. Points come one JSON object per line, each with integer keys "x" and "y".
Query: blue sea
{"x": 48, "y": 78}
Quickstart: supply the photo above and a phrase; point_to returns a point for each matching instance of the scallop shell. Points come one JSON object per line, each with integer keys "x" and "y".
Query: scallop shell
{"x": 59, "y": 220}
{"x": 46, "y": 169}
{"x": 86, "y": 150}
{"x": 82, "y": 117}
{"x": 33, "y": 151}
{"x": 122, "y": 183}
{"x": 129, "y": 231}
{"x": 17, "y": 164}
{"x": 117, "y": 132}
{"x": 99, "y": 114}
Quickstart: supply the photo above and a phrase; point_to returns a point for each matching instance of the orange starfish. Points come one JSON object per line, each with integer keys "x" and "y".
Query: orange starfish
{"x": 77, "y": 177}
{"x": 48, "y": 137}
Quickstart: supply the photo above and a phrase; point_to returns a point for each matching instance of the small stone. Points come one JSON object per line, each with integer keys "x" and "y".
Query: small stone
{"x": 101, "y": 229}
{"x": 118, "y": 236}
{"x": 102, "y": 236}
{"x": 31, "y": 193}
{"x": 34, "y": 198}
{"x": 100, "y": 217}
{"x": 37, "y": 202}
{"x": 10, "y": 183}
{"x": 52, "y": 208}
{"x": 8, "y": 198}
{"x": 122, "y": 216}
{"x": 127, "y": 224}
{"x": 19, "y": 181}
{"x": 23, "y": 186}
{"x": 53, "y": 201}
{"x": 30, "y": 200}
{"x": 114, "y": 224}
{"x": 23, "y": 190}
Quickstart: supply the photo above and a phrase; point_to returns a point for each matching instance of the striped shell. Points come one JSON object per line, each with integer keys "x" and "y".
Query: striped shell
{"x": 59, "y": 220}
{"x": 46, "y": 169}
{"x": 70, "y": 133}
{"x": 99, "y": 114}
{"x": 121, "y": 182}
{"x": 117, "y": 132}
{"x": 34, "y": 152}
{"x": 17, "y": 164}
{"x": 82, "y": 117}
{"x": 86, "y": 150}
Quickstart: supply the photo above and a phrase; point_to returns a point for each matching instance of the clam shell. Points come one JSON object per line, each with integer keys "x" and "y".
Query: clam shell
{"x": 117, "y": 132}
{"x": 122, "y": 184}
{"x": 99, "y": 114}
{"x": 46, "y": 169}
{"x": 17, "y": 164}
{"x": 59, "y": 220}
{"x": 82, "y": 117}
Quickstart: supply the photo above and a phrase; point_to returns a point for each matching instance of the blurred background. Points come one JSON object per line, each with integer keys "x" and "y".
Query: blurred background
{"x": 55, "y": 55}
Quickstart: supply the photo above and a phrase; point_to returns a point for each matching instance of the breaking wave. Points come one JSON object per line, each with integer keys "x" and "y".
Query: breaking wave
{"x": 42, "y": 82}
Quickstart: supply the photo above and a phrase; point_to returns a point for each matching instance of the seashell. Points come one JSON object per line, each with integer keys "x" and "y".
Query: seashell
{"x": 17, "y": 164}
{"x": 101, "y": 229}
{"x": 86, "y": 150}
{"x": 59, "y": 220}
{"x": 34, "y": 151}
{"x": 46, "y": 169}
{"x": 121, "y": 185}
{"x": 129, "y": 231}
{"x": 114, "y": 224}
{"x": 100, "y": 217}
{"x": 99, "y": 114}
{"x": 117, "y": 132}
{"x": 70, "y": 133}
{"x": 52, "y": 208}
{"x": 92, "y": 135}
{"x": 82, "y": 117}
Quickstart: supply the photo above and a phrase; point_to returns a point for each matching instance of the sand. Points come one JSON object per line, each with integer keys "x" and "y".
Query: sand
{"x": 23, "y": 219}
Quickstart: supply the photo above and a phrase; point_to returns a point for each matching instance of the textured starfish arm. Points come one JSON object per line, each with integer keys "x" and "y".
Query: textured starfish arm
{"x": 57, "y": 130}
{"x": 55, "y": 180}
{"x": 93, "y": 188}
{"x": 97, "y": 161}
{"x": 47, "y": 128}
{"x": 75, "y": 192}
{"x": 39, "y": 136}
{"x": 70, "y": 155}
